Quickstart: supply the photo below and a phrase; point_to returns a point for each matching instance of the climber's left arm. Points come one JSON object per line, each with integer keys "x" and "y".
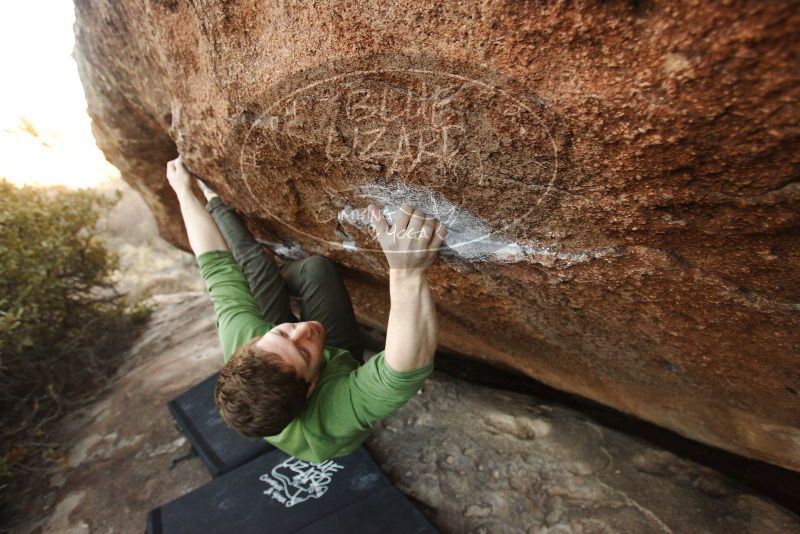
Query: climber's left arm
{"x": 204, "y": 236}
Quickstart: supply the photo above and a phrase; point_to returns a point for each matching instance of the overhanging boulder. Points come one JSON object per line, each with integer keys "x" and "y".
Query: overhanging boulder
{"x": 619, "y": 180}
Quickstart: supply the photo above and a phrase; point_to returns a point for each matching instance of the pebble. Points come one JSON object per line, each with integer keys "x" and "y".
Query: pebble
{"x": 474, "y": 510}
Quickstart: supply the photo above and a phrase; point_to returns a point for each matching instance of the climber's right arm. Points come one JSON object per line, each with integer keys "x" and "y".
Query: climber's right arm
{"x": 410, "y": 246}
{"x": 204, "y": 236}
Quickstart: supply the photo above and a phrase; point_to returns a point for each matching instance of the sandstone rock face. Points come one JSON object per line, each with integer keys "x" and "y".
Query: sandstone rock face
{"x": 619, "y": 179}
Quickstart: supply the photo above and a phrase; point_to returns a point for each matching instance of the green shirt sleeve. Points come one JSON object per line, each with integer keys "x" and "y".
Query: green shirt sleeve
{"x": 347, "y": 401}
{"x": 237, "y": 315}
{"x": 377, "y": 390}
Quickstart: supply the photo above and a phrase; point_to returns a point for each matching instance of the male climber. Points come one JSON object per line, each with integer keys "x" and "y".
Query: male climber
{"x": 297, "y": 382}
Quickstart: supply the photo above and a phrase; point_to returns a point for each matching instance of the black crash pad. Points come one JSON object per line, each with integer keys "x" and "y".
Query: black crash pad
{"x": 386, "y": 512}
{"x": 272, "y": 493}
{"x": 219, "y": 446}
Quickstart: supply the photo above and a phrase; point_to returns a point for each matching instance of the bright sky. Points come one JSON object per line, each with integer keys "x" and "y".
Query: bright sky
{"x": 41, "y": 86}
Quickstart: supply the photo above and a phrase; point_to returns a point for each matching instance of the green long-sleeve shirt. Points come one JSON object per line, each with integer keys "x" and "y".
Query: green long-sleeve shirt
{"x": 347, "y": 400}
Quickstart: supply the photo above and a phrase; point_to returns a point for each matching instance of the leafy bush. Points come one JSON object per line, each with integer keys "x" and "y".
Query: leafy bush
{"x": 62, "y": 323}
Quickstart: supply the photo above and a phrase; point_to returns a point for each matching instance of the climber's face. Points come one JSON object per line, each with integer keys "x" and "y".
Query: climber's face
{"x": 300, "y": 345}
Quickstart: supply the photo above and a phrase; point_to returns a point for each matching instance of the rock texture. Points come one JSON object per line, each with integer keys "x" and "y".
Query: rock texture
{"x": 474, "y": 459}
{"x": 619, "y": 178}
{"x": 483, "y": 460}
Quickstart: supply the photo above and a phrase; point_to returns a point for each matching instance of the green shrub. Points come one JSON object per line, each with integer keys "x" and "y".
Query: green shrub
{"x": 62, "y": 323}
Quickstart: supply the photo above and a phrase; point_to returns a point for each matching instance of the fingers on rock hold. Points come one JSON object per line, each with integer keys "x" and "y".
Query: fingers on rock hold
{"x": 376, "y": 219}
{"x": 417, "y": 220}
{"x": 402, "y": 217}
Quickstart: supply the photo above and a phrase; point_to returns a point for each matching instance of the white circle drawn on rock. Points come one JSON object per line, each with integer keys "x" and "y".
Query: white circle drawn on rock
{"x": 281, "y": 117}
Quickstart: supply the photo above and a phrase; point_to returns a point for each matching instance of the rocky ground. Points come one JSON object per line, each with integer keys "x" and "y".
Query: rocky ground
{"x": 474, "y": 459}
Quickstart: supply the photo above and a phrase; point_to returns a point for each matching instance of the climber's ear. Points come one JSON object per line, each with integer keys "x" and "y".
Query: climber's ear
{"x": 312, "y": 386}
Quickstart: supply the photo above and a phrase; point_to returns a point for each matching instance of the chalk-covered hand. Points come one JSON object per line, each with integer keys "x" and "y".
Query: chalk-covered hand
{"x": 413, "y": 241}
{"x": 178, "y": 177}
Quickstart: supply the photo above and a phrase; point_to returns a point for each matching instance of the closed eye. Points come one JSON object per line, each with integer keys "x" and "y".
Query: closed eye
{"x": 304, "y": 352}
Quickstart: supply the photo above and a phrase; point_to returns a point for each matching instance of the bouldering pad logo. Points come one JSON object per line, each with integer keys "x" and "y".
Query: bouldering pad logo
{"x": 378, "y": 136}
{"x": 294, "y": 481}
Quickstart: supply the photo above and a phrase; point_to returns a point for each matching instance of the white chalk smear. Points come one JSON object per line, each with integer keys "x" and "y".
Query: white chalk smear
{"x": 468, "y": 236}
{"x": 290, "y": 251}
{"x": 349, "y": 245}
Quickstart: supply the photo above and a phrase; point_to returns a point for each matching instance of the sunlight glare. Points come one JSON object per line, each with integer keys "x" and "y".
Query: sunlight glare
{"x": 45, "y": 132}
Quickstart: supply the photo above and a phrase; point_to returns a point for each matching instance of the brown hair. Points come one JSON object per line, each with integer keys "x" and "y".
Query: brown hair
{"x": 258, "y": 393}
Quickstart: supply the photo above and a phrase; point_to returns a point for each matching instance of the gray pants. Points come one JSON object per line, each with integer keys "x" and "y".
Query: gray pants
{"x": 316, "y": 280}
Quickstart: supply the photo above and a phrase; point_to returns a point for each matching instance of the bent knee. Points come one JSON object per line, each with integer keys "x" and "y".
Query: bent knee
{"x": 319, "y": 265}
